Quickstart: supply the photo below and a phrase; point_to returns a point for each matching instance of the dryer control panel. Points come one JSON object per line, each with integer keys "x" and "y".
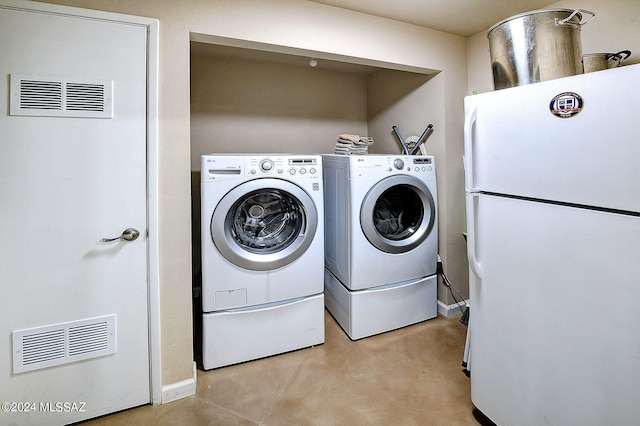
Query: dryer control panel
{"x": 380, "y": 165}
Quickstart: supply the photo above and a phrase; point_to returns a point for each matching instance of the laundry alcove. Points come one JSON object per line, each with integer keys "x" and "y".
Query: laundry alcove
{"x": 255, "y": 98}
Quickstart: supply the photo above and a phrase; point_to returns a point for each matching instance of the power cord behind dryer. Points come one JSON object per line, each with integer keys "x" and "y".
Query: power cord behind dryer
{"x": 462, "y": 305}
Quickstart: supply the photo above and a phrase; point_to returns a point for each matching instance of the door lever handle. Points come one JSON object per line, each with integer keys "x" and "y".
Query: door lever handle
{"x": 128, "y": 234}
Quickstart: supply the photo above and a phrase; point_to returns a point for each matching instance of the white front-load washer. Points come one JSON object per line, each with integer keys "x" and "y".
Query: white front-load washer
{"x": 262, "y": 255}
{"x": 381, "y": 241}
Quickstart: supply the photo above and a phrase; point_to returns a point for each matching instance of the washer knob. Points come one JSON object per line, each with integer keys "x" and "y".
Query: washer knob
{"x": 398, "y": 164}
{"x": 266, "y": 165}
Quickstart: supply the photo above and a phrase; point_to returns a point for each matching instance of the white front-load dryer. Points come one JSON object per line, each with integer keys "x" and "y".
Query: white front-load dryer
{"x": 381, "y": 241}
{"x": 262, "y": 255}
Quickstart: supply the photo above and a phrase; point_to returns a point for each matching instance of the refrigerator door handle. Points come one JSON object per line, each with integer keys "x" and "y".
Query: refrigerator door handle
{"x": 469, "y": 121}
{"x": 475, "y": 266}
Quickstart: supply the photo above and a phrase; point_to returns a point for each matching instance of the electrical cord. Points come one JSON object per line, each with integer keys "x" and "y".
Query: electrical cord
{"x": 462, "y": 305}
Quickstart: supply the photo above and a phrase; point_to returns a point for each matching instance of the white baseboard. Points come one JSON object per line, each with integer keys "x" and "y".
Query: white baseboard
{"x": 449, "y": 311}
{"x": 179, "y": 390}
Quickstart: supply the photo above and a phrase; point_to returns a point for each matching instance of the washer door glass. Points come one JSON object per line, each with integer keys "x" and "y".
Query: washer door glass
{"x": 264, "y": 224}
{"x": 266, "y": 220}
{"x": 398, "y": 213}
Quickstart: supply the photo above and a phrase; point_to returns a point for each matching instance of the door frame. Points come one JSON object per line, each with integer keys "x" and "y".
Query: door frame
{"x": 153, "y": 281}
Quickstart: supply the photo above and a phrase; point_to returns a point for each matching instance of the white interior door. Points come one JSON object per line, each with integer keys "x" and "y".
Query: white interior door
{"x": 73, "y": 309}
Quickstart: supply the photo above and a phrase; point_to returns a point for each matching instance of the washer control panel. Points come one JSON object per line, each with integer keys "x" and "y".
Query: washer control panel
{"x": 293, "y": 166}
{"x": 229, "y": 167}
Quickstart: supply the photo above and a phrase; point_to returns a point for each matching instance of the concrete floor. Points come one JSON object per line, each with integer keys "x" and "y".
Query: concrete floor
{"x": 410, "y": 376}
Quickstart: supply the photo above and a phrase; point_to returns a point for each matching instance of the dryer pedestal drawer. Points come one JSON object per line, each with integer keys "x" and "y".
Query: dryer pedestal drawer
{"x": 376, "y": 310}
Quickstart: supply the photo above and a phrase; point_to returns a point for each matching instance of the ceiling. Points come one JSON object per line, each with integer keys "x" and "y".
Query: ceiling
{"x": 462, "y": 17}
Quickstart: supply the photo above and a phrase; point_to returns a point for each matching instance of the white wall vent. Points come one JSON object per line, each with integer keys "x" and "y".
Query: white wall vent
{"x": 57, "y": 344}
{"x": 54, "y": 97}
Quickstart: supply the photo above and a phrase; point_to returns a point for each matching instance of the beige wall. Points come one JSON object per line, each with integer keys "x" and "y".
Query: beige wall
{"x": 258, "y": 105}
{"x": 615, "y": 27}
{"x": 246, "y": 106}
{"x": 295, "y": 24}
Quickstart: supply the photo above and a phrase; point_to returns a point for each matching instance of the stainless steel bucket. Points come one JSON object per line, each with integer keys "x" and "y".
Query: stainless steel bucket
{"x": 602, "y": 61}
{"x": 537, "y": 46}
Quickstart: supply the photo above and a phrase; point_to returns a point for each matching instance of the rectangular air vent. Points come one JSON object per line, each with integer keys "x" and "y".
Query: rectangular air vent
{"x": 57, "y": 344}
{"x": 54, "y": 97}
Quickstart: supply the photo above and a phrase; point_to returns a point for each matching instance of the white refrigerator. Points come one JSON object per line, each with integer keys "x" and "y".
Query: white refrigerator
{"x": 552, "y": 176}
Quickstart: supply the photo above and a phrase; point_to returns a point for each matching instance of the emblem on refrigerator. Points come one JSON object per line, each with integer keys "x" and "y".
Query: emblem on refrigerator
{"x": 566, "y": 105}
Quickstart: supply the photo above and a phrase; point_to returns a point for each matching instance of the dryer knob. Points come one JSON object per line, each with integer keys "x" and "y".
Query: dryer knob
{"x": 398, "y": 164}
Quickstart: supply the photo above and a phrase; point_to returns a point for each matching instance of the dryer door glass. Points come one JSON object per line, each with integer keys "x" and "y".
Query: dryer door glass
{"x": 266, "y": 221}
{"x": 397, "y": 214}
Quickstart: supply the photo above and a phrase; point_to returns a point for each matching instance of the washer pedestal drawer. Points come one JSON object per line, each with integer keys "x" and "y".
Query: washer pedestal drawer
{"x": 239, "y": 335}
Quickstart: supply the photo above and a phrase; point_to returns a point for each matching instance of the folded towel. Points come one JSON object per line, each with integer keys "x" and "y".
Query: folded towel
{"x": 358, "y": 140}
{"x": 353, "y": 144}
{"x": 348, "y": 137}
{"x": 365, "y": 140}
{"x": 342, "y": 148}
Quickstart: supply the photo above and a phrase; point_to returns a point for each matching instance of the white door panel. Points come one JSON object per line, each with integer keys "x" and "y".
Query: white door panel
{"x": 66, "y": 183}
